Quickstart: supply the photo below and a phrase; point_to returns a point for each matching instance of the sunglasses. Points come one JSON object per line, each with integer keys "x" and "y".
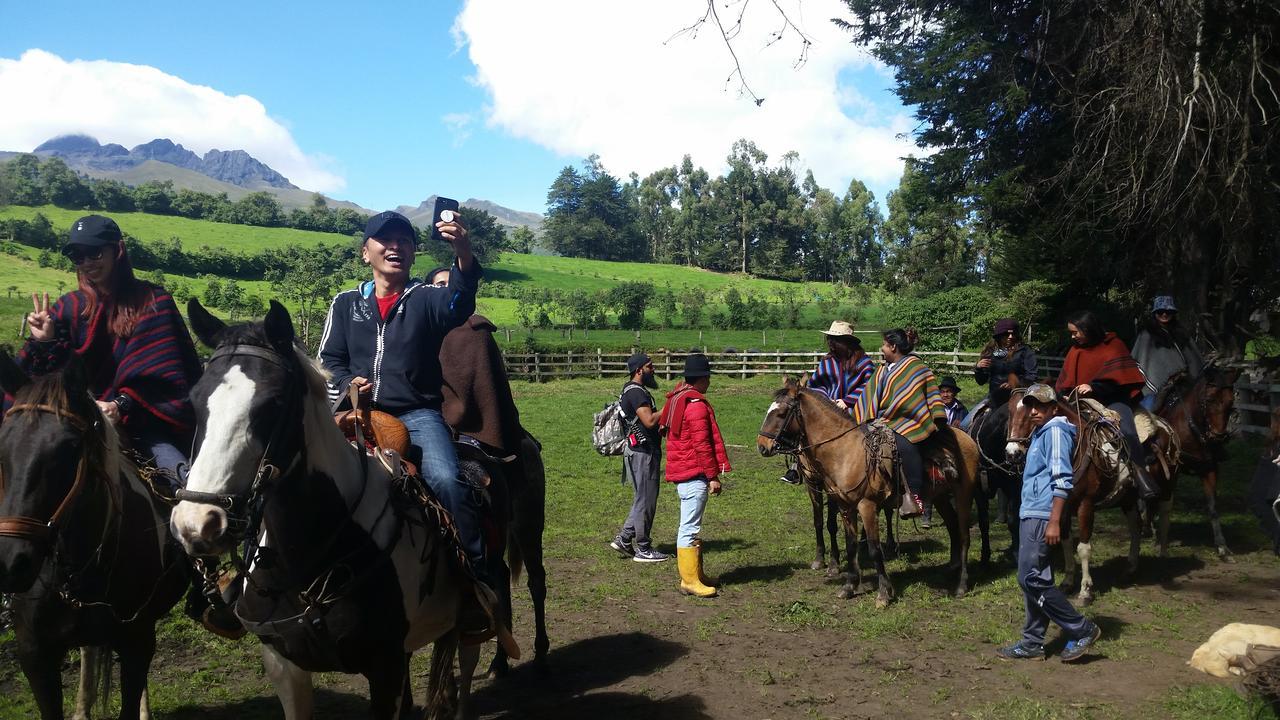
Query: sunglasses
{"x": 1164, "y": 312}
{"x": 79, "y": 256}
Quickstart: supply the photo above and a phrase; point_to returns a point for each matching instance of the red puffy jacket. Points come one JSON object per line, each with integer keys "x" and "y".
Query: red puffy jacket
{"x": 694, "y": 445}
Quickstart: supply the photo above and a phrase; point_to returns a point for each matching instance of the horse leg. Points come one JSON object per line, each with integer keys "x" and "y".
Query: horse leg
{"x": 983, "y": 501}
{"x": 964, "y": 504}
{"x": 500, "y": 667}
{"x": 87, "y": 690}
{"x": 292, "y": 684}
{"x": 1069, "y": 541}
{"x": 867, "y": 510}
{"x": 43, "y": 667}
{"x": 815, "y": 504}
{"x": 135, "y": 662}
{"x": 1014, "y": 490}
{"x": 537, "y": 579}
{"x": 468, "y": 656}
{"x": 1166, "y": 509}
{"x": 1133, "y": 515}
{"x": 834, "y": 525}
{"x": 1084, "y": 550}
{"x": 386, "y": 685}
{"x": 890, "y": 537}
{"x": 852, "y": 582}
{"x": 1210, "y": 480}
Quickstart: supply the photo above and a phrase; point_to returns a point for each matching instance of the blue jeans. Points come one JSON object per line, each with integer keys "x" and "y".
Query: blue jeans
{"x": 160, "y": 448}
{"x": 439, "y": 468}
{"x": 1043, "y": 601}
{"x": 693, "y": 500}
{"x": 1149, "y": 402}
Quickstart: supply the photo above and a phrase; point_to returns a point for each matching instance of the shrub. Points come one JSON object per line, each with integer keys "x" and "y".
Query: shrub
{"x": 972, "y": 307}
{"x": 630, "y": 299}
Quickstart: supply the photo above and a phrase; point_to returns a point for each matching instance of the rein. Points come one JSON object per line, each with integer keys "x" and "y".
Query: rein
{"x": 795, "y": 449}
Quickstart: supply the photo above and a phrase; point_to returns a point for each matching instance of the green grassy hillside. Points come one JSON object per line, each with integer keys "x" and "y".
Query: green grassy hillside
{"x": 193, "y": 233}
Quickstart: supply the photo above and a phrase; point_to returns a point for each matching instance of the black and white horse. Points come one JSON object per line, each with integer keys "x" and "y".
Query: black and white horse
{"x": 83, "y": 543}
{"x": 340, "y": 574}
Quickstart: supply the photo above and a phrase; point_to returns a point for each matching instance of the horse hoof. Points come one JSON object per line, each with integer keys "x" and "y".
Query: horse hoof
{"x": 498, "y": 670}
{"x": 882, "y": 603}
{"x": 817, "y": 565}
{"x": 961, "y": 592}
{"x": 832, "y": 572}
{"x": 1226, "y": 555}
{"x": 847, "y": 592}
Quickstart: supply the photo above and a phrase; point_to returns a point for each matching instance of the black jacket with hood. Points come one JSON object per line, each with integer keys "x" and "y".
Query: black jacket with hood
{"x": 400, "y": 355}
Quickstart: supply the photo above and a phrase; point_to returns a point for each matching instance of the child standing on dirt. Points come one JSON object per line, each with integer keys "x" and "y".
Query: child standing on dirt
{"x": 1046, "y": 484}
{"x": 695, "y": 460}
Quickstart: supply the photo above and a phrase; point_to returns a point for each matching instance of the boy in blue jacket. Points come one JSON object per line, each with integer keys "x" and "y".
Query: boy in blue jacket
{"x": 1046, "y": 483}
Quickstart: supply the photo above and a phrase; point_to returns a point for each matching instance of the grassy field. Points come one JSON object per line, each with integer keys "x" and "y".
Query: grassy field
{"x": 778, "y": 643}
{"x": 193, "y": 233}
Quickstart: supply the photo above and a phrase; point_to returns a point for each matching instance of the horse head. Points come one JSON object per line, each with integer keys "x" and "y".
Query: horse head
{"x": 1216, "y": 402}
{"x": 52, "y": 434}
{"x": 1018, "y": 435}
{"x": 248, "y": 407}
{"x": 781, "y": 424}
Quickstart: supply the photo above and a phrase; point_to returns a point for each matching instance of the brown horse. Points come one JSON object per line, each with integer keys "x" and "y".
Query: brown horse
{"x": 857, "y": 473}
{"x": 1094, "y": 487}
{"x": 1200, "y": 412}
{"x": 84, "y": 545}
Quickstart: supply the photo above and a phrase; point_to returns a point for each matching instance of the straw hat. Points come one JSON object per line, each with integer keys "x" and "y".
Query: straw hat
{"x": 839, "y": 328}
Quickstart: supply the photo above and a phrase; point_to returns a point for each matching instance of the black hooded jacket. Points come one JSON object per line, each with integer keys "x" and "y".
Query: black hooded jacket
{"x": 400, "y": 355}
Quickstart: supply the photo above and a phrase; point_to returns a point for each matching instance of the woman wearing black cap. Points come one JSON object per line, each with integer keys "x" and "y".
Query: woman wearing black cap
{"x": 139, "y": 356}
{"x": 1004, "y": 358}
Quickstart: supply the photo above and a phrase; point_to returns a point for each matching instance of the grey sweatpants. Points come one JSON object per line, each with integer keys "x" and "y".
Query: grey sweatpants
{"x": 643, "y": 470}
{"x": 1044, "y": 601}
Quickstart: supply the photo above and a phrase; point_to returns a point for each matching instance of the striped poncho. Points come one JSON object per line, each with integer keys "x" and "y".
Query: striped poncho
{"x": 838, "y": 383}
{"x": 906, "y": 396}
{"x": 156, "y": 366}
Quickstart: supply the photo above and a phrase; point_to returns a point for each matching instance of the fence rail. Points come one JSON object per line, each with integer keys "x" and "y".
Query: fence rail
{"x": 1254, "y": 401}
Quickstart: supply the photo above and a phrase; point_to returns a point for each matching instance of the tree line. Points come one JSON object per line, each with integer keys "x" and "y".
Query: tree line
{"x": 757, "y": 219}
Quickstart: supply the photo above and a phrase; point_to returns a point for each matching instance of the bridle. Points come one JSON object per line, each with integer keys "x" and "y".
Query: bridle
{"x": 244, "y": 510}
{"x": 1010, "y": 437}
{"x": 33, "y": 529}
{"x": 785, "y": 446}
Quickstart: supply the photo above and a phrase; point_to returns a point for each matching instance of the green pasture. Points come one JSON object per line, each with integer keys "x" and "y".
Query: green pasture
{"x": 758, "y": 541}
{"x": 193, "y": 233}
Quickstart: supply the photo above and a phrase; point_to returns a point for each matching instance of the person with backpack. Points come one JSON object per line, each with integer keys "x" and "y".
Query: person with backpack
{"x": 641, "y": 461}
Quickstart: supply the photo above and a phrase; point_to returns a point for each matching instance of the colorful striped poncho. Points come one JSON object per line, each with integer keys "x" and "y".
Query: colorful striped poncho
{"x": 838, "y": 383}
{"x": 905, "y": 396}
{"x": 155, "y": 366}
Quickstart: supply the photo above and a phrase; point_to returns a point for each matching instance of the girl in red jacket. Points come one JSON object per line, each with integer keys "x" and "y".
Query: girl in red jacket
{"x": 695, "y": 459}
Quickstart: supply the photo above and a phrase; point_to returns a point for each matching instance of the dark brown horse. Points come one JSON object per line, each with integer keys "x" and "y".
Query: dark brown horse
{"x": 856, "y": 468}
{"x": 1199, "y": 411}
{"x": 1095, "y": 487}
{"x": 84, "y": 545}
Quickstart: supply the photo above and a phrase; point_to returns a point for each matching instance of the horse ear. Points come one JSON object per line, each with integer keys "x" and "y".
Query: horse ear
{"x": 206, "y": 326}
{"x": 804, "y": 380}
{"x": 279, "y": 325}
{"x": 12, "y": 377}
{"x": 791, "y": 386}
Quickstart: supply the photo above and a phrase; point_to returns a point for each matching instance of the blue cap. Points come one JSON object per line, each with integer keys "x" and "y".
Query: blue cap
{"x": 1163, "y": 302}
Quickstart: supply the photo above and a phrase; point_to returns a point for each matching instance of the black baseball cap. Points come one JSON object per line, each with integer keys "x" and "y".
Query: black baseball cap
{"x": 697, "y": 366}
{"x": 637, "y": 361}
{"x": 383, "y": 222}
{"x": 93, "y": 231}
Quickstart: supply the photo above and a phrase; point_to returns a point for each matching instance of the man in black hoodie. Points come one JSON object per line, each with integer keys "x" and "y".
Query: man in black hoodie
{"x": 384, "y": 338}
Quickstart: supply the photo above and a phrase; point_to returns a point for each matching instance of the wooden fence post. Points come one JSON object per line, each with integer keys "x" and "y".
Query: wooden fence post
{"x": 744, "y": 366}
{"x": 599, "y": 364}
{"x": 537, "y": 369}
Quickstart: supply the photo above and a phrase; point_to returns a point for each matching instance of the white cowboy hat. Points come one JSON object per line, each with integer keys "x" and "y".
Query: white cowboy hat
{"x": 839, "y": 328}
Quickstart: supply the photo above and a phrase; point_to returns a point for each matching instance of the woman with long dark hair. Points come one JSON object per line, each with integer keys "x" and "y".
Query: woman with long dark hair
{"x": 1163, "y": 349}
{"x": 903, "y": 392}
{"x": 137, "y": 353}
{"x": 1099, "y": 366}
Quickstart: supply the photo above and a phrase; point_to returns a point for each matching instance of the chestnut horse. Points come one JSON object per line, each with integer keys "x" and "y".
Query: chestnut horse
{"x": 857, "y": 474}
{"x": 1200, "y": 412}
{"x": 1094, "y": 487}
{"x": 84, "y": 545}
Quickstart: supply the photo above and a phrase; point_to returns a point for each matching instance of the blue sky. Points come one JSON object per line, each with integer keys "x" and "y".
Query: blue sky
{"x": 388, "y": 104}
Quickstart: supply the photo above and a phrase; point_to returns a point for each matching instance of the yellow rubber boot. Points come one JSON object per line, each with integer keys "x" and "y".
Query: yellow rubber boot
{"x": 702, "y": 575}
{"x": 687, "y": 559}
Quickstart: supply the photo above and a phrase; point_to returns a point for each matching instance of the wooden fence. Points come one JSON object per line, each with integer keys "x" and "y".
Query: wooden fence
{"x": 1254, "y": 401}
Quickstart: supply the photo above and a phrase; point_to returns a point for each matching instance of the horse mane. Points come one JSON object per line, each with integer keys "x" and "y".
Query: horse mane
{"x": 51, "y": 390}
{"x": 827, "y": 407}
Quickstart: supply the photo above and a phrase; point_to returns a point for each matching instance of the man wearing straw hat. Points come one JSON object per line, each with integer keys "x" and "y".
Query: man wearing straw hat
{"x": 840, "y": 375}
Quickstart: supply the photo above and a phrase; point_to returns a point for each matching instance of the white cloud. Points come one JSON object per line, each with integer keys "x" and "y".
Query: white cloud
{"x": 46, "y": 96}
{"x": 596, "y": 77}
{"x": 458, "y": 125}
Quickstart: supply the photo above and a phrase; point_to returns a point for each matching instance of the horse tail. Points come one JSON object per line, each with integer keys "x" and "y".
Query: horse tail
{"x": 442, "y": 691}
{"x": 515, "y": 556}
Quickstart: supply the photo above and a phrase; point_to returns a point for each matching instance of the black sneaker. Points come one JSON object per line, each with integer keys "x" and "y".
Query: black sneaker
{"x": 649, "y": 555}
{"x": 1018, "y": 651}
{"x": 1080, "y": 647}
{"x": 623, "y": 547}
{"x": 791, "y": 477}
